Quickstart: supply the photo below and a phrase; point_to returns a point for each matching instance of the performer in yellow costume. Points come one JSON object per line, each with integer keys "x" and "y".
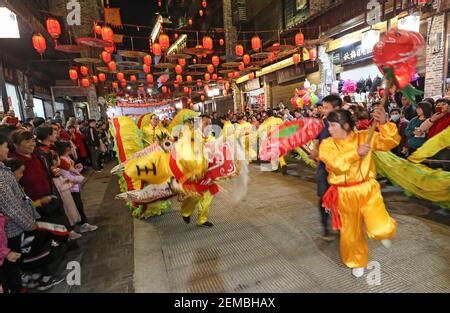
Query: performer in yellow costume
{"x": 263, "y": 131}
{"x": 354, "y": 195}
{"x": 154, "y": 131}
{"x": 247, "y": 136}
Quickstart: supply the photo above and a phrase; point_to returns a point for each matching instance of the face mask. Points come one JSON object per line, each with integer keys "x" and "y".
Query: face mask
{"x": 395, "y": 118}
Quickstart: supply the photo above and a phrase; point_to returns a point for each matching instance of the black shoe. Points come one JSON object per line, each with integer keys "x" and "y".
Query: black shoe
{"x": 327, "y": 236}
{"x": 43, "y": 286}
{"x": 206, "y": 224}
{"x": 187, "y": 219}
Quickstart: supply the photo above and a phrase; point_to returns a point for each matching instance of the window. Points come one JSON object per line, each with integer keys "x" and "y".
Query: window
{"x": 38, "y": 108}
{"x": 13, "y": 100}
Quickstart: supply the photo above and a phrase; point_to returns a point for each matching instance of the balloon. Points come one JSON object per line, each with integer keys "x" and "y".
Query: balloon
{"x": 314, "y": 99}
{"x": 301, "y": 92}
{"x": 299, "y": 103}
{"x": 313, "y": 87}
{"x": 306, "y": 99}
{"x": 307, "y": 84}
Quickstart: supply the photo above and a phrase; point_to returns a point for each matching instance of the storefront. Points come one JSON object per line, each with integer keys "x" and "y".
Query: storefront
{"x": 254, "y": 94}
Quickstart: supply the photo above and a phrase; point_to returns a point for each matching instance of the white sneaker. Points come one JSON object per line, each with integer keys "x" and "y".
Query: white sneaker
{"x": 386, "y": 243}
{"x": 74, "y": 235}
{"x": 86, "y": 227}
{"x": 358, "y": 271}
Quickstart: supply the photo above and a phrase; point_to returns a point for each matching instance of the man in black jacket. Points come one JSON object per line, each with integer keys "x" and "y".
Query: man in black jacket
{"x": 93, "y": 143}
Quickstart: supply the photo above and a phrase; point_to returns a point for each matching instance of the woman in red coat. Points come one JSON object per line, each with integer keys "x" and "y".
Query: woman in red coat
{"x": 78, "y": 139}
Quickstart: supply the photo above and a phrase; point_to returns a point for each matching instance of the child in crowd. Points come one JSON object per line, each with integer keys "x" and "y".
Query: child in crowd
{"x": 5, "y": 253}
{"x": 73, "y": 175}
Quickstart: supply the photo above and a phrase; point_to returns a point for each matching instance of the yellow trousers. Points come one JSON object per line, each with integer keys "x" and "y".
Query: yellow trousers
{"x": 362, "y": 205}
{"x": 204, "y": 203}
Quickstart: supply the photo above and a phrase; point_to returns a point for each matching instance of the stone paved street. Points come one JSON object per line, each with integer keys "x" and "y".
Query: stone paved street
{"x": 269, "y": 242}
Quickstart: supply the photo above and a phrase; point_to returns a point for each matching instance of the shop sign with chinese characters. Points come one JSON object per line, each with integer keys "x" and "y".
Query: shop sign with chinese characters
{"x": 354, "y": 53}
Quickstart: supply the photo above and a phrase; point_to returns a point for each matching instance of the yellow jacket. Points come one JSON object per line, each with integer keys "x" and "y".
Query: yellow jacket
{"x": 151, "y": 134}
{"x": 343, "y": 163}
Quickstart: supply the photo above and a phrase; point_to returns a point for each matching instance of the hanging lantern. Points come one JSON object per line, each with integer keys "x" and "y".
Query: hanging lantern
{"x": 200, "y": 12}
{"x": 194, "y": 61}
{"x": 112, "y": 66}
{"x": 106, "y": 56}
{"x": 221, "y": 42}
{"x": 190, "y": 22}
{"x": 185, "y": 89}
{"x": 299, "y": 39}
{"x": 207, "y": 42}
{"x": 251, "y": 76}
{"x": 236, "y": 74}
{"x": 207, "y": 77}
{"x": 176, "y": 85}
{"x": 199, "y": 82}
{"x": 115, "y": 85}
{"x": 53, "y": 28}
{"x": 182, "y": 62}
{"x": 95, "y": 79}
{"x": 120, "y": 76}
{"x": 123, "y": 83}
{"x": 210, "y": 68}
{"x": 241, "y": 66}
{"x": 246, "y": 59}
{"x": 156, "y": 48}
{"x": 256, "y": 43}
{"x": 164, "y": 89}
{"x": 133, "y": 78}
{"x": 214, "y": 76}
{"x": 39, "y": 43}
{"x": 148, "y": 60}
{"x": 163, "y": 79}
{"x": 230, "y": 75}
{"x": 85, "y": 82}
{"x": 178, "y": 69}
{"x": 204, "y": 4}
{"x": 110, "y": 49}
{"x": 149, "y": 78}
{"x": 164, "y": 41}
{"x": 73, "y": 74}
{"x": 313, "y": 54}
{"x": 175, "y": 36}
{"x": 296, "y": 58}
{"x": 179, "y": 78}
{"x": 215, "y": 60}
{"x": 159, "y": 3}
{"x": 239, "y": 49}
{"x": 84, "y": 70}
{"x": 141, "y": 89}
{"x": 98, "y": 29}
{"x": 102, "y": 77}
{"x": 107, "y": 34}
{"x": 189, "y": 79}
{"x": 146, "y": 68}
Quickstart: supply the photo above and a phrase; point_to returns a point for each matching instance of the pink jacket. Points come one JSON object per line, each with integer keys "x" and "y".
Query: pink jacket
{"x": 4, "y": 251}
{"x": 69, "y": 205}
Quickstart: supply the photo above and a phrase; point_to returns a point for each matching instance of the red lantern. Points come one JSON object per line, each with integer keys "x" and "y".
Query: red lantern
{"x": 98, "y": 29}
{"x": 199, "y": 82}
{"x": 239, "y": 49}
{"x": 133, "y": 78}
{"x": 251, "y": 76}
{"x": 194, "y": 61}
{"x": 230, "y": 75}
{"x": 115, "y": 85}
{"x": 271, "y": 56}
{"x": 123, "y": 83}
{"x": 178, "y": 69}
{"x": 179, "y": 78}
{"x": 110, "y": 49}
{"x": 95, "y": 79}
{"x": 221, "y": 42}
{"x": 186, "y": 89}
{"x": 102, "y": 77}
{"x": 246, "y": 59}
{"x": 164, "y": 89}
{"x": 150, "y": 78}
{"x": 210, "y": 68}
{"x": 190, "y": 22}
{"x": 241, "y": 66}
{"x": 85, "y": 82}
{"x": 175, "y": 36}
{"x": 84, "y": 70}
{"x": 53, "y": 28}
{"x": 148, "y": 60}
{"x": 214, "y": 76}
{"x": 200, "y": 12}
{"x": 163, "y": 79}
{"x": 146, "y": 68}
{"x": 73, "y": 74}
{"x": 296, "y": 58}
{"x": 202, "y": 97}
{"x": 207, "y": 42}
{"x": 156, "y": 48}
{"x": 256, "y": 43}
{"x": 182, "y": 62}
{"x": 236, "y": 74}
{"x": 107, "y": 34}
{"x": 106, "y": 56}
{"x": 207, "y": 77}
{"x": 141, "y": 89}
{"x": 215, "y": 60}
{"x": 112, "y": 66}
{"x": 204, "y": 4}
{"x": 164, "y": 41}
{"x": 299, "y": 39}
{"x": 120, "y": 76}
{"x": 189, "y": 79}
{"x": 39, "y": 43}
{"x": 176, "y": 85}
{"x": 313, "y": 54}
